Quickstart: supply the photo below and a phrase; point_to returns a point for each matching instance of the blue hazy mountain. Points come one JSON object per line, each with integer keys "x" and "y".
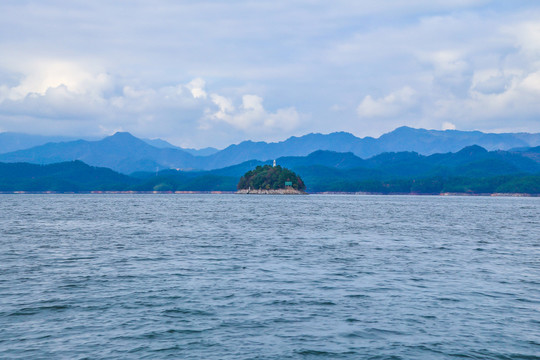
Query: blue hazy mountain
{"x": 207, "y": 151}
{"x": 126, "y": 153}
{"x": 121, "y": 152}
{"x": 428, "y": 142}
{"x": 422, "y": 141}
{"x": 10, "y": 141}
{"x": 293, "y": 146}
{"x": 162, "y": 144}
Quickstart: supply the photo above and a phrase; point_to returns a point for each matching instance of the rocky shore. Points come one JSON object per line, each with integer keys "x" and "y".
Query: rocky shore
{"x": 288, "y": 191}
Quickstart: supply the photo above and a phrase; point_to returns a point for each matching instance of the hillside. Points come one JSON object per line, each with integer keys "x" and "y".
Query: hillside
{"x": 333, "y": 171}
{"x": 121, "y": 152}
{"x": 470, "y": 170}
{"x": 270, "y": 178}
{"x": 10, "y": 141}
{"x": 67, "y": 176}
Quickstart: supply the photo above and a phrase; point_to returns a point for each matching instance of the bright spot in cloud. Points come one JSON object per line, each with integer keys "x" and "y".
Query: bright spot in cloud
{"x": 41, "y": 75}
{"x": 448, "y": 126}
{"x": 197, "y": 88}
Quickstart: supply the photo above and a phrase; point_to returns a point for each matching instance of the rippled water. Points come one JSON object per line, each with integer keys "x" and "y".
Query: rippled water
{"x": 269, "y": 277}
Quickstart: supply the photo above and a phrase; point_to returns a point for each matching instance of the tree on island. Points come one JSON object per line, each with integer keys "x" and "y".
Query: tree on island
{"x": 270, "y": 178}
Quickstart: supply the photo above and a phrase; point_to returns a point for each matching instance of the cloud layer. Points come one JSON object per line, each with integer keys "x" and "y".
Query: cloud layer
{"x": 213, "y": 73}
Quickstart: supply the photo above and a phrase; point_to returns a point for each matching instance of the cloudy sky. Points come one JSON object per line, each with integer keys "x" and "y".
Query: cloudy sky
{"x": 216, "y": 72}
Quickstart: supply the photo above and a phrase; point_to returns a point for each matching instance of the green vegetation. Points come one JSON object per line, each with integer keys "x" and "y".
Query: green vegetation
{"x": 516, "y": 184}
{"x": 70, "y": 176}
{"x": 168, "y": 181}
{"x": 270, "y": 178}
{"x": 470, "y": 171}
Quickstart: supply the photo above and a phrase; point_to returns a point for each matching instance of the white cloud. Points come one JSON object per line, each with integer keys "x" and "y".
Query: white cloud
{"x": 197, "y": 88}
{"x": 75, "y": 103}
{"x": 393, "y": 104}
{"x": 519, "y": 98}
{"x": 527, "y": 38}
{"x": 41, "y": 75}
{"x": 466, "y": 70}
{"x": 225, "y": 107}
{"x": 251, "y": 116}
{"x": 448, "y": 126}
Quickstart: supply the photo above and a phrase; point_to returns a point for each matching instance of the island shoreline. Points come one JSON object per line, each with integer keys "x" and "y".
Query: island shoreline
{"x": 288, "y": 191}
{"x": 258, "y": 192}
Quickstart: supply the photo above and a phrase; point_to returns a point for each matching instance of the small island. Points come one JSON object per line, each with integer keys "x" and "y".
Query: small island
{"x": 271, "y": 180}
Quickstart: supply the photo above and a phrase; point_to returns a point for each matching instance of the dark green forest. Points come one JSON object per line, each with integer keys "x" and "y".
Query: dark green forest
{"x": 73, "y": 176}
{"x": 270, "y": 178}
{"x": 520, "y": 184}
{"x": 472, "y": 170}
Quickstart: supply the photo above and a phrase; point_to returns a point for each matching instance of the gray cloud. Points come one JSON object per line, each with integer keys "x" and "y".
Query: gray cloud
{"x": 212, "y": 73}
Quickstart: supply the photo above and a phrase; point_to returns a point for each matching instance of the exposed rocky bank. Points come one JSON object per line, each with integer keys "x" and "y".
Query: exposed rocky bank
{"x": 289, "y": 191}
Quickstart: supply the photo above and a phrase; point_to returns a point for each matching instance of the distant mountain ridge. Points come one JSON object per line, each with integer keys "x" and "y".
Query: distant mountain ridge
{"x": 121, "y": 152}
{"x": 125, "y": 153}
{"x": 425, "y": 142}
{"x": 162, "y": 144}
{"x": 10, "y": 141}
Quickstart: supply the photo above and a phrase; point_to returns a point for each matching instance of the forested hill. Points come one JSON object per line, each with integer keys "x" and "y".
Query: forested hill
{"x": 63, "y": 177}
{"x": 472, "y": 170}
{"x": 270, "y": 178}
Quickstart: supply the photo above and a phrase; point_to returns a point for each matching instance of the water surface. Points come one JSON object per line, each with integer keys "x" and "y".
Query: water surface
{"x": 269, "y": 277}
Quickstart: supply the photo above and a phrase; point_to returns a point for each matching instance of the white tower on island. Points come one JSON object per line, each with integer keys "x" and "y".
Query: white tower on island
{"x": 274, "y": 163}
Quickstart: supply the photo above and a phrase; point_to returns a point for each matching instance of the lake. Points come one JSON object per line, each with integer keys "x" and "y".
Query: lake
{"x": 269, "y": 277}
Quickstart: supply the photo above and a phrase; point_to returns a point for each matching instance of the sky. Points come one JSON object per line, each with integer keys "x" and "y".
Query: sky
{"x": 217, "y": 72}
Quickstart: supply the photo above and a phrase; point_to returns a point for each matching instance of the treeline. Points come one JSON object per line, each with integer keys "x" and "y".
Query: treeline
{"x": 171, "y": 182}
{"x": 520, "y": 184}
{"x": 70, "y": 176}
{"x": 77, "y": 176}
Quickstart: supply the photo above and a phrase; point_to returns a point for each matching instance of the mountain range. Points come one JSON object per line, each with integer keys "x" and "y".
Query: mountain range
{"x": 470, "y": 170}
{"x": 10, "y": 141}
{"x": 127, "y": 154}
